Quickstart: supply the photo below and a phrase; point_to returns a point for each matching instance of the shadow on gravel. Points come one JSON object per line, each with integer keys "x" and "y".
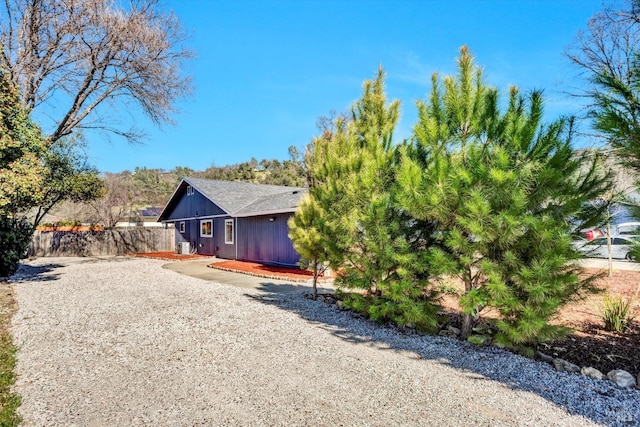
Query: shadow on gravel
{"x": 39, "y": 273}
{"x": 600, "y": 401}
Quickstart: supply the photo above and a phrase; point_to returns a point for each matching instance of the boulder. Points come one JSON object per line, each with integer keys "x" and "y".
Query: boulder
{"x": 592, "y": 373}
{"x": 563, "y": 365}
{"x": 455, "y": 332}
{"x": 621, "y": 378}
{"x": 544, "y": 357}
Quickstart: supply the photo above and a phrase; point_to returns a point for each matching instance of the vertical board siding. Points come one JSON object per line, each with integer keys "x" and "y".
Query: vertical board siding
{"x": 102, "y": 243}
{"x": 265, "y": 241}
{"x": 222, "y": 250}
{"x": 204, "y": 245}
{"x": 192, "y": 206}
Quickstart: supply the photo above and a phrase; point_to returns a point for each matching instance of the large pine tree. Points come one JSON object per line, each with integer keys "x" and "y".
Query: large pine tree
{"x": 502, "y": 190}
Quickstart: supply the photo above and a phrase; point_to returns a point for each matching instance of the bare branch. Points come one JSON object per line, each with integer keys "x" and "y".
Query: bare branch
{"x": 609, "y": 44}
{"x": 80, "y": 53}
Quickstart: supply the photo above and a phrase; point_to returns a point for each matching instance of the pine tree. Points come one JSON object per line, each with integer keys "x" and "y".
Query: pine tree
{"x": 305, "y": 231}
{"x": 502, "y": 190}
{"x": 369, "y": 243}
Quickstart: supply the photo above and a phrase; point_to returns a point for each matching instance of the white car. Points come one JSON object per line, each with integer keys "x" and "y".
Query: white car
{"x": 628, "y": 228}
{"x": 597, "y": 248}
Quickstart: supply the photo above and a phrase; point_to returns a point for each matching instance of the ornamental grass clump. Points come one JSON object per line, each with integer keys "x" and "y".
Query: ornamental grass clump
{"x": 616, "y": 313}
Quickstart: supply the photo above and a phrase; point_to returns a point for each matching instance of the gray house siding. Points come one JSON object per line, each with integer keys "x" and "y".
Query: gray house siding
{"x": 264, "y": 239}
{"x": 206, "y": 245}
{"x": 185, "y": 236}
{"x": 194, "y": 205}
{"x": 222, "y": 249}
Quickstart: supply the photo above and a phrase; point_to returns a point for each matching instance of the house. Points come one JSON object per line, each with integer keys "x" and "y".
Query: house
{"x": 234, "y": 220}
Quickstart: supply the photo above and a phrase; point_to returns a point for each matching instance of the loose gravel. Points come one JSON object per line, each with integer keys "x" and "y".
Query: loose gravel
{"x": 121, "y": 341}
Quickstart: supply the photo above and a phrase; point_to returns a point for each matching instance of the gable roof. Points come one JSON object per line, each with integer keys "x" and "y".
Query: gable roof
{"x": 280, "y": 202}
{"x": 241, "y": 198}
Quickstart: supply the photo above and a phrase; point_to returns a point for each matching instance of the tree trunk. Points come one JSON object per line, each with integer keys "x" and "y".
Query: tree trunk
{"x": 315, "y": 281}
{"x": 609, "y": 248}
{"x": 467, "y": 320}
{"x": 467, "y": 325}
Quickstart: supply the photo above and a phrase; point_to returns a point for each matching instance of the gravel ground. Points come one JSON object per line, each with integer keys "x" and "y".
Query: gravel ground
{"x": 121, "y": 341}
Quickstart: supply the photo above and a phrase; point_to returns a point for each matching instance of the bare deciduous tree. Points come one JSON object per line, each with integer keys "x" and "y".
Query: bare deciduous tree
{"x": 117, "y": 201}
{"x": 610, "y": 43}
{"x": 68, "y": 57}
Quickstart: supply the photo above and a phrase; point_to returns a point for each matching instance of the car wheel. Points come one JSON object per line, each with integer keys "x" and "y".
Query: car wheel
{"x": 628, "y": 256}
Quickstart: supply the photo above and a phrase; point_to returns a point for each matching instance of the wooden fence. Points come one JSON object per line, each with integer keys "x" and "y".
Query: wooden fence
{"x": 117, "y": 241}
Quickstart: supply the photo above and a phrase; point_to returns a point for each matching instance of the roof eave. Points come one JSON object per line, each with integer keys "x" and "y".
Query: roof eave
{"x": 262, "y": 213}
{"x": 160, "y": 218}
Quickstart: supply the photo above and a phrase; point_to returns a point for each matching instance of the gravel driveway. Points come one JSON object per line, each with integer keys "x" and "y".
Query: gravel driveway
{"x": 121, "y": 341}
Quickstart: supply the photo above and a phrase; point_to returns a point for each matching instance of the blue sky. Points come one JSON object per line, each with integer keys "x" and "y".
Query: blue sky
{"x": 266, "y": 70}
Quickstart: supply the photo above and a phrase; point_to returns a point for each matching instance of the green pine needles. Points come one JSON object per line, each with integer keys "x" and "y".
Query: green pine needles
{"x": 370, "y": 242}
{"x": 478, "y": 193}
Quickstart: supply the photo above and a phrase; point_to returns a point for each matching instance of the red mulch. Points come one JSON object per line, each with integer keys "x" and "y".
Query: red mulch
{"x": 262, "y": 270}
{"x": 169, "y": 256}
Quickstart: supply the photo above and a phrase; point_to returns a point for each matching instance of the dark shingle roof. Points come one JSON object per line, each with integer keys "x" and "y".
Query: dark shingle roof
{"x": 244, "y": 199}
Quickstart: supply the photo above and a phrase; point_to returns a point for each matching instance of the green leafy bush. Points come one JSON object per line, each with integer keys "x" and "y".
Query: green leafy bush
{"x": 616, "y": 313}
{"x": 15, "y": 236}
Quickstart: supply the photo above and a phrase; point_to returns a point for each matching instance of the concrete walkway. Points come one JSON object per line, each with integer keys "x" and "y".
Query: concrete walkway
{"x": 198, "y": 269}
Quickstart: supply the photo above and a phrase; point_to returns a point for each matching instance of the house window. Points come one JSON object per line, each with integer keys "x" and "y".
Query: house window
{"x": 189, "y": 190}
{"x": 206, "y": 228}
{"x": 182, "y": 227}
{"x": 228, "y": 231}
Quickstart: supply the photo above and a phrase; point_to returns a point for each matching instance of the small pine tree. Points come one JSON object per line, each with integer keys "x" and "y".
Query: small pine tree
{"x": 305, "y": 231}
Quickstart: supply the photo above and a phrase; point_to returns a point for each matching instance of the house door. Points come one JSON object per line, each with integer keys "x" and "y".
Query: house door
{"x": 194, "y": 235}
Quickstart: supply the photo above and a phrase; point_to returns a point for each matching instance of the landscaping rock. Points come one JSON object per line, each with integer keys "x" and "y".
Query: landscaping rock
{"x": 592, "y": 373}
{"x": 455, "y": 332}
{"x": 451, "y": 331}
{"x": 621, "y": 378}
{"x": 565, "y": 366}
{"x": 544, "y": 357}
{"x": 340, "y": 305}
